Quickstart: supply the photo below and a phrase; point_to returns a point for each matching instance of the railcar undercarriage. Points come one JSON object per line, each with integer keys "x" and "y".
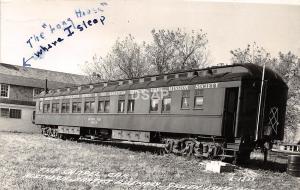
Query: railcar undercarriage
{"x": 203, "y": 147}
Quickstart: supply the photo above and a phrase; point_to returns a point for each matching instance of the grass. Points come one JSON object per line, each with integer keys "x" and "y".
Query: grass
{"x": 31, "y": 161}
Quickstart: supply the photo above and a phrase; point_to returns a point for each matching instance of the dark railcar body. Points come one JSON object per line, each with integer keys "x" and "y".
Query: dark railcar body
{"x": 219, "y": 102}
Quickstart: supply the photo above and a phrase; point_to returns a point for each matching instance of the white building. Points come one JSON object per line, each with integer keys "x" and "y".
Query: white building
{"x": 18, "y": 86}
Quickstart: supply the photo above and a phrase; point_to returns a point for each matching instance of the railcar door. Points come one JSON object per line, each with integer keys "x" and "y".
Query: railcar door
{"x": 229, "y": 114}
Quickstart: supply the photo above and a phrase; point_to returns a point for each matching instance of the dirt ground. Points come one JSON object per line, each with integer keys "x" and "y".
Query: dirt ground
{"x": 32, "y": 161}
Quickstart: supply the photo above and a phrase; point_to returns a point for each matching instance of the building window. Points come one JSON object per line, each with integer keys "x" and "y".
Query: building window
{"x": 55, "y": 107}
{"x": 46, "y": 108}
{"x": 4, "y": 112}
{"x": 166, "y": 105}
{"x": 76, "y": 107}
{"x": 185, "y": 100}
{"x": 15, "y": 113}
{"x": 10, "y": 113}
{"x": 89, "y": 107}
{"x": 37, "y": 91}
{"x": 130, "y": 106}
{"x": 198, "y": 101}
{"x": 4, "y": 90}
{"x": 65, "y": 107}
{"x": 154, "y": 104}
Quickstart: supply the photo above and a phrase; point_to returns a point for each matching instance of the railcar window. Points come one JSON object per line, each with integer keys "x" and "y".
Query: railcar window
{"x": 89, "y": 107}
{"x": 185, "y": 100}
{"x": 130, "y": 106}
{"x": 199, "y": 100}
{"x": 55, "y": 108}
{"x": 103, "y": 104}
{"x": 100, "y": 106}
{"x": 65, "y": 107}
{"x": 166, "y": 104}
{"x": 154, "y": 104}
{"x": 15, "y": 113}
{"x": 106, "y": 106}
{"x": 121, "y": 106}
{"x": 76, "y": 107}
{"x": 46, "y": 108}
{"x": 41, "y": 106}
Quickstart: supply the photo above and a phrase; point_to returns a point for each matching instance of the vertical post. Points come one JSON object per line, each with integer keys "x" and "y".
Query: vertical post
{"x": 46, "y": 86}
{"x": 260, "y": 99}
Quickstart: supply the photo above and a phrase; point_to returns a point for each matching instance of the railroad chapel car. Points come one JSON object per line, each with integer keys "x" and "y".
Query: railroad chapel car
{"x": 209, "y": 112}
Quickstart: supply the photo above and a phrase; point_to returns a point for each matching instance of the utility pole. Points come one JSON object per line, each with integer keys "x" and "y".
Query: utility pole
{"x": 260, "y": 100}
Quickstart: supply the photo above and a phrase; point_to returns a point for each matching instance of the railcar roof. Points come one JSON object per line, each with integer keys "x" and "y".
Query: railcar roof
{"x": 207, "y": 75}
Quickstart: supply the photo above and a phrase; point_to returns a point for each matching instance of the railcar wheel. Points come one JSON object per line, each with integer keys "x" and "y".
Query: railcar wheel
{"x": 198, "y": 150}
{"x": 169, "y": 146}
{"x": 43, "y": 132}
{"x": 243, "y": 157}
{"x": 188, "y": 148}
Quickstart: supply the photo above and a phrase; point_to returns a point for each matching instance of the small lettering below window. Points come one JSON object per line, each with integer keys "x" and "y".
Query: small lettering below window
{"x": 76, "y": 107}
{"x": 185, "y": 100}
{"x": 65, "y": 107}
{"x": 130, "y": 106}
{"x": 198, "y": 100}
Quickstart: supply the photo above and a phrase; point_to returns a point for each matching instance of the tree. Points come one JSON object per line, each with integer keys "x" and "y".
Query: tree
{"x": 176, "y": 50}
{"x": 126, "y": 59}
{"x": 288, "y": 66}
{"x": 129, "y": 58}
{"x": 99, "y": 69}
{"x": 170, "y": 51}
{"x": 252, "y": 54}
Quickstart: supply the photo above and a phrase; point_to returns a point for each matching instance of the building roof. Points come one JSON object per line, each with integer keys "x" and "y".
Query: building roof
{"x": 32, "y": 77}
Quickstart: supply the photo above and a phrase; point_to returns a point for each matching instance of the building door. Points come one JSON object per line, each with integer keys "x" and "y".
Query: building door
{"x": 230, "y": 110}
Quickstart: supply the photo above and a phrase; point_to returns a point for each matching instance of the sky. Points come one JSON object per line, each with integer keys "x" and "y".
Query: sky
{"x": 229, "y": 25}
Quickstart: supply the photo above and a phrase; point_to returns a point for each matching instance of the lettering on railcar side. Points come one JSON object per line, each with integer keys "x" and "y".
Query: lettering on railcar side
{"x": 206, "y": 85}
{"x": 139, "y": 91}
